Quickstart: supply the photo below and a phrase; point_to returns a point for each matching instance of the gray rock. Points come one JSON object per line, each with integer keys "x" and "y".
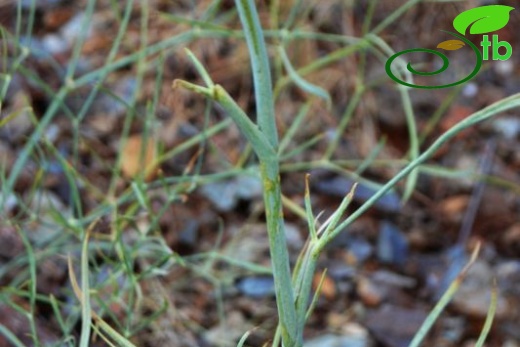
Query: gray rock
{"x": 225, "y": 194}
{"x": 356, "y": 340}
{"x": 509, "y": 127}
{"x": 256, "y": 287}
{"x": 395, "y": 326}
{"x": 392, "y": 245}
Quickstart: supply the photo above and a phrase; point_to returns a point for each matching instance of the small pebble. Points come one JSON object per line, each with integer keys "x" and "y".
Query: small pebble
{"x": 360, "y": 249}
{"x": 392, "y": 245}
{"x": 509, "y": 127}
{"x": 54, "y": 44}
{"x": 361, "y": 339}
{"x": 75, "y": 27}
{"x": 370, "y": 293}
{"x": 504, "y": 68}
{"x": 256, "y": 287}
{"x": 392, "y": 279}
{"x": 470, "y": 90}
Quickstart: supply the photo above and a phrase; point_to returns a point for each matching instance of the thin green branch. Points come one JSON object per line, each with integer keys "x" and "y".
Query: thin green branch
{"x": 508, "y": 103}
{"x": 261, "y": 71}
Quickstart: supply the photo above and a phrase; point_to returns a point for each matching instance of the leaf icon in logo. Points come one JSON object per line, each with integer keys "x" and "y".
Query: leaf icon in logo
{"x": 451, "y": 45}
{"x": 483, "y": 19}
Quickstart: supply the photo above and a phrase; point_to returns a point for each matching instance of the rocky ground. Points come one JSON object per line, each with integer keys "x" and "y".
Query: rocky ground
{"x": 203, "y": 198}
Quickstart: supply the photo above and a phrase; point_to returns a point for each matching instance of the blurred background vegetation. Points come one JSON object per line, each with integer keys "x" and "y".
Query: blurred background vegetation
{"x": 93, "y": 138}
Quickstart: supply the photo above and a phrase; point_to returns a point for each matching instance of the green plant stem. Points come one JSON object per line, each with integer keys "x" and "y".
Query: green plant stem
{"x": 270, "y": 172}
{"x": 261, "y": 71}
{"x": 394, "y": 15}
{"x": 303, "y": 284}
{"x": 291, "y": 336}
{"x": 505, "y": 104}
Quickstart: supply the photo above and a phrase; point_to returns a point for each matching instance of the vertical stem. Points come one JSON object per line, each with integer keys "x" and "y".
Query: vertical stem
{"x": 269, "y": 167}
{"x": 291, "y": 336}
{"x": 304, "y": 285}
{"x": 260, "y": 67}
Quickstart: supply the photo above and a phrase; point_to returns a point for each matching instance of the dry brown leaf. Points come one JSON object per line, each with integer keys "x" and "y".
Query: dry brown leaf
{"x": 132, "y": 164}
{"x": 56, "y": 17}
{"x": 369, "y": 292}
{"x": 96, "y": 43}
{"x": 328, "y": 288}
{"x": 454, "y": 205}
{"x": 451, "y": 45}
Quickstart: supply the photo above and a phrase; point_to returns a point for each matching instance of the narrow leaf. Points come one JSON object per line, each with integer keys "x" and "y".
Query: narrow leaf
{"x": 244, "y": 338}
{"x": 302, "y": 83}
{"x": 200, "y": 68}
{"x": 443, "y": 301}
{"x": 308, "y": 209}
{"x": 316, "y": 295}
{"x": 490, "y": 316}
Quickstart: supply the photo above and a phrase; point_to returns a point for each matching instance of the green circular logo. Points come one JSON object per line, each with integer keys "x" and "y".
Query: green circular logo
{"x": 445, "y": 64}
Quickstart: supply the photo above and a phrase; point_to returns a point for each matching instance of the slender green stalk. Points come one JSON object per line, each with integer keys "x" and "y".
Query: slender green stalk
{"x": 301, "y": 82}
{"x": 394, "y": 15}
{"x": 264, "y": 140}
{"x": 32, "y": 291}
{"x": 489, "y": 317}
{"x": 293, "y": 292}
{"x": 270, "y": 172}
{"x": 508, "y": 103}
{"x": 414, "y": 141}
{"x": 303, "y": 284}
{"x": 86, "y": 315}
{"x": 261, "y": 71}
{"x": 443, "y": 302}
{"x": 269, "y": 167}
{"x": 410, "y": 121}
{"x": 295, "y": 126}
{"x": 79, "y": 117}
{"x": 10, "y": 336}
{"x": 345, "y": 119}
{"x": 291, "y": 336}
{"x": 76, "y": 50}
{"x": 53, "y": 108}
